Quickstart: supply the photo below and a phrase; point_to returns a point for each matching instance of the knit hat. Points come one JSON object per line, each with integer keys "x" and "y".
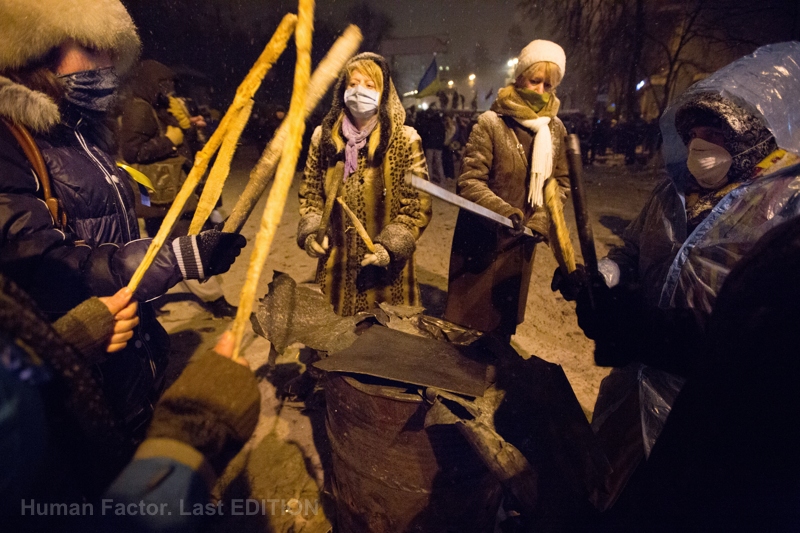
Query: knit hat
{"x": 746, "y": 136}
{"x": 541, "y": 50}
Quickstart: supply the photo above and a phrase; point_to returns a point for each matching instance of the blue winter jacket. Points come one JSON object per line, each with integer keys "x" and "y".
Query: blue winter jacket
{"x": 95, "y": 256}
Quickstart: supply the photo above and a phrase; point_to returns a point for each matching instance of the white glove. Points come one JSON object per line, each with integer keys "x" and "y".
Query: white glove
{"x": 315, "y": 249}
{"x": 379, "y": 258}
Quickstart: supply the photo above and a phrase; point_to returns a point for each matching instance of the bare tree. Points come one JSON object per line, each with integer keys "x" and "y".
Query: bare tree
{"x": 612, "y": 44}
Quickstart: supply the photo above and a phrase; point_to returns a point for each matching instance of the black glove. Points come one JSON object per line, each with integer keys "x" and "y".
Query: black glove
{"x": 616, "y": 322}
{"x": 213, "y": 406}
{"x": 215, "y": 250}
{"x": 570, "y": 285}
{"x": 518, "y": 228}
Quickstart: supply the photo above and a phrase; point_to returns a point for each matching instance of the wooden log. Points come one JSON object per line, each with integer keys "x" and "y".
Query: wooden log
{"x": 244, "y": 93}
{"x": 559, "y": 233}
{"x": 221, "y": 169}
{"x": 285, "y": 173}
{"x": 362, "y": 231}
{"x": 325, "y": 74}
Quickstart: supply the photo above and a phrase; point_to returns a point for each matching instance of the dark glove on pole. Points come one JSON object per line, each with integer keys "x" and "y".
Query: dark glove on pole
{"x": 614, "y": 320}
{"x": 570, "y": 285}
{"x": 208, "y": 253}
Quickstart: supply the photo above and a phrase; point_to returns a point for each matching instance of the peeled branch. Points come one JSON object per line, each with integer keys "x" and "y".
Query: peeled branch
{"x": 285, "y": 174}
{"x": 326, "y": 73}
{"x": 220, "y": 171}
{"x": 244, "y": 93}
{"x": 560, "y": 242}
{"x": 362, "y": 231}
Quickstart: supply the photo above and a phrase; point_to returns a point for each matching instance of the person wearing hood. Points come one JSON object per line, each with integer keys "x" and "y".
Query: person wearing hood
{"x": 156, "y": 127}
{"x": 361, "y": 153}
{"x": 60, "y": 63}
{"x": 513, "y": 149}
{"x": 730, "y": 147}
{"x": 732, "y": 156}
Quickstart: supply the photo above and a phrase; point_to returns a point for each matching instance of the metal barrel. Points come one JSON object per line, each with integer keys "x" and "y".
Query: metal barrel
{"x": 392, "y": 475}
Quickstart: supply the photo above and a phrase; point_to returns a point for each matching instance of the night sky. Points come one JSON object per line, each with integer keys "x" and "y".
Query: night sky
{"x": 463, "y": 22}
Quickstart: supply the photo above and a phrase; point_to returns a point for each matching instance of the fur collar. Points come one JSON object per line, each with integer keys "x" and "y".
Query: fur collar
{"x": 30, "y": 29}
{"x": 32, "y": 109}
{"x": 391, "y": 114}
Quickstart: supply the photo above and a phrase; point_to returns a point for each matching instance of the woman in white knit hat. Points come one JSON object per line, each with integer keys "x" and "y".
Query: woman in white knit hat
{"x": 513, "y": 149}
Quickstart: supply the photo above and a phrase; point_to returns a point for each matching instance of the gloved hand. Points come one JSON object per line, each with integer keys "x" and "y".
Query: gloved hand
{"x": 518, "y": 228}
{"x": 570, "y": 285}
{"x": 379, "y": 258}
{"x": 175, "y": 135}
{"x": 615, "y": 323}
{"x": 213, "y": 406}
{"x": 315, "y": 249}
{"x": 215, "y": 249}
{"x": 178, "y": 110}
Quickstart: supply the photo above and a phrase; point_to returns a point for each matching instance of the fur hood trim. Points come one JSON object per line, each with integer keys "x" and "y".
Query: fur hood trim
{"x": 32, "y": 109}
{"x": 391, "y": 114}
{"x": 30, "y": 29}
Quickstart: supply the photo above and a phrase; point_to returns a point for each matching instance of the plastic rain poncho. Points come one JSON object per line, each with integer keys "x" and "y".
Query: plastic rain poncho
{"x": 676, "y": 270}
{"x": 767, "y": 83}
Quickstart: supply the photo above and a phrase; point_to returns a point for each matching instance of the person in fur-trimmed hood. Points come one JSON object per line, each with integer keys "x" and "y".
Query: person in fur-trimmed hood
{"x": 513, "y": 149}
{"x": 60, "y": 62}
{"x": 361, "y": 153}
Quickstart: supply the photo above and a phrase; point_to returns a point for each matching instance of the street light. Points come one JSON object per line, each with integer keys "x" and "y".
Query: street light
{"x": 450, "y": 83}
{"x": 513, "y": 62}
{"x": 472, "y": 77}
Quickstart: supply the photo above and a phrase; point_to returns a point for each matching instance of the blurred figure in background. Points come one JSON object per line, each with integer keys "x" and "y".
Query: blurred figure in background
{"x": 159, "y": 137}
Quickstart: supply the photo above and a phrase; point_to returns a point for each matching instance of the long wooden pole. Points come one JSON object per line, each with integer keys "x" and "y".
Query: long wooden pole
{"x": 221, "y": 169}
{"x": 285, "y": 173}
{"x": 244, "y": 93}
{"x": 559, "y": 234}
{"x": 325, "y": 74}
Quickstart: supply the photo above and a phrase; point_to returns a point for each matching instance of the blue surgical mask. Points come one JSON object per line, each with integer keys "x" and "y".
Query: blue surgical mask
{"x": 92, "y": 92}
{"x": 362, "y": 102}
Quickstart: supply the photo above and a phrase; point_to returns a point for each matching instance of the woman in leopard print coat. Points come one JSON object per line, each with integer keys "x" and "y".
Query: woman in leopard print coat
{"x": 362, "y": 153}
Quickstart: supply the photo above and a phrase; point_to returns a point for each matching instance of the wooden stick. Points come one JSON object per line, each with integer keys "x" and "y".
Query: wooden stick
{"x": 244, "y": 93}
{"x": 284, "y": 176}
{"x": 362, "y": 231}
{"x": 559, "y": 234}
{"x": 221, "y": 169}
{"x": 325, "y": 74}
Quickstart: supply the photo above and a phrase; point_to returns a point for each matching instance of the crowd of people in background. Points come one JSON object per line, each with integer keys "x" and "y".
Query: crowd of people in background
{"x": 704, "y": 285}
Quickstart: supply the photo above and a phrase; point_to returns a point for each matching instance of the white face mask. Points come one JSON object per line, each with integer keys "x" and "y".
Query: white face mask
{"x": 362, "y": 102}
{"x": 709, "y": 163}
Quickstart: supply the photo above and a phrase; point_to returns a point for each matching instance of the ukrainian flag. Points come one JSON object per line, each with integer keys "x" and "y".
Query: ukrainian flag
{"x": 429, "y": 85}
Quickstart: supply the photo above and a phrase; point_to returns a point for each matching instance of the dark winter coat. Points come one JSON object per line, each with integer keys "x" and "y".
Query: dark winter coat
{"x": 145, "y": 118}
{"x": 96, "y": 256}
{"x": 60, "y": 440}
{"x": 489, "y": 269}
